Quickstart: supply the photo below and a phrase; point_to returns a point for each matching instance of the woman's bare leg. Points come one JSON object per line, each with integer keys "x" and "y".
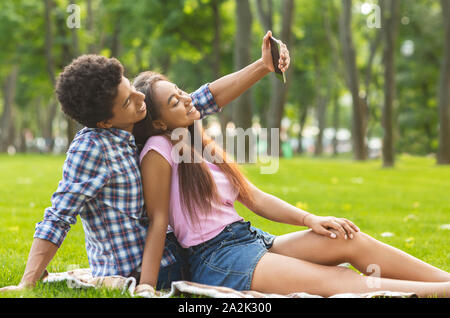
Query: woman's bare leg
{"x": 365, "y": 253}
{"x": 281, "y": 274}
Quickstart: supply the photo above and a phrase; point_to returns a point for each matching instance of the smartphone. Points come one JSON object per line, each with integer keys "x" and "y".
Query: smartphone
{"x": 275, "y": 50}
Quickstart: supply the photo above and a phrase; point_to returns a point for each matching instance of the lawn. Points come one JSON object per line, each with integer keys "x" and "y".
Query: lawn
{"x": 407, "y": 207}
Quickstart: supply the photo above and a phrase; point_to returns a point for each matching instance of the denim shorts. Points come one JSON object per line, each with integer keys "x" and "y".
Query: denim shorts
{"x": 230, "y": 258}
{"x": 176, "y": 269}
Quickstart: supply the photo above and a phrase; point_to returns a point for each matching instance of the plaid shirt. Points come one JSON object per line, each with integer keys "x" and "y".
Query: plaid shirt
{"x": 102, "y": 183}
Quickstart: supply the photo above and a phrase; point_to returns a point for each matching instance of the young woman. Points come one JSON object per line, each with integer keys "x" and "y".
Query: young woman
{"x": 196, "y": 199}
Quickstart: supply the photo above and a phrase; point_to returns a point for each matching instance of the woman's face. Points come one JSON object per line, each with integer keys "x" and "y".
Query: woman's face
{"x": 175, "y": 105}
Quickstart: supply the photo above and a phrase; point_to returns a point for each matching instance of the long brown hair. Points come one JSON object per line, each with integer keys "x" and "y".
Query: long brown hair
{"x": 197, "y": 187}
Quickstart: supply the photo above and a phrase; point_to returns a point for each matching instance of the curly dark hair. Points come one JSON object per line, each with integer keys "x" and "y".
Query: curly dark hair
{"x": 87, "y": 88}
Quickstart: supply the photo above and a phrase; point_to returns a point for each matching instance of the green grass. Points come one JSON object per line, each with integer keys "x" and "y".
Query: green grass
{"x": 411, "y": 201}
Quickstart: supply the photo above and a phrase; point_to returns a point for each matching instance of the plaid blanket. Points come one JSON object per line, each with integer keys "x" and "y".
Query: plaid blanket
{"x": 82, "y": 278}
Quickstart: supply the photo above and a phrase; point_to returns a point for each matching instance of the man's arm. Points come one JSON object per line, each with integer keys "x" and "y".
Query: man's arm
{"x": 41, "y": 253}
{"x": 84, "y": 174}
{"x": 231, "y": 86}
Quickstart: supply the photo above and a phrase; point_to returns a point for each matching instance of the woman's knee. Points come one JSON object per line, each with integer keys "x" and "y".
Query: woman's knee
{"x": 360, "y": 243}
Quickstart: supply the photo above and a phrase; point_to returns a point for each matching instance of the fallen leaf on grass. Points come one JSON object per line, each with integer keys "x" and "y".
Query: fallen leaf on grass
{"x": 357, "y": 180}
{"x": 301, "y": 205}
{"x": 24, "y": 181}
{"x": 346, "y": 207}
{"x": 409, "y": 218}
{"x": 409, "y": 241}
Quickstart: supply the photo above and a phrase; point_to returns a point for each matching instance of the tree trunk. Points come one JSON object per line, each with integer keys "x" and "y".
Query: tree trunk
{"x": 90, "y": 26}
{"x": 444, "y": 91}
{"x": 115, "y": 41}
{"x": 323, "y": 92}
{"x": 348, "y": 50}
{"x": 49, "y": 41}
{"x": 338, "y": 70}
{"x": 72, "y": 126}
{"x": 215, "y": 7}
{"x": 242, "y": 109}
{"x": 278, "y": 89}
{"x": 320, "y": 115}
{"x": 265, "y": 13}
{"x": 225, "y": 114}
{"x": 373, "y": 48}
{"x": 302, "y": 121}
{"x": 9, "y": 93}
{"x": 390, "y": 27}
{"x": 48, "y": 131}
{"x": 335, "y": 122}
{"x": 374, "y": 44}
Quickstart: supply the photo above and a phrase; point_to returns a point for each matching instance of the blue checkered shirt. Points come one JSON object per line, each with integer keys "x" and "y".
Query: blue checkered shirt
{"x": 101, "y": 182}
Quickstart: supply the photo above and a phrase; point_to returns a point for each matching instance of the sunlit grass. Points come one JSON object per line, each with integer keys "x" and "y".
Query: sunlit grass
{"x": 407, "y": 207}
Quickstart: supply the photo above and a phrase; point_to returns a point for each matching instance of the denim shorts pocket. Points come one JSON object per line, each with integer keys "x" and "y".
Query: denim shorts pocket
{"x": 226, "y": 258}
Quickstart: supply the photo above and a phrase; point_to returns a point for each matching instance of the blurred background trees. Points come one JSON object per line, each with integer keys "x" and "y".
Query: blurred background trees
{"x": 369, "y": 78}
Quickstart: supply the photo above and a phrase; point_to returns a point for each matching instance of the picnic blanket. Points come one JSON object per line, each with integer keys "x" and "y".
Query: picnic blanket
{"x": 82, "y": 278}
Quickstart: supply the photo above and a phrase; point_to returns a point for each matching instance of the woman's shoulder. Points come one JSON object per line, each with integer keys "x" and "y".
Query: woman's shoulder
{"x": 159, "y": 140}
{"x": 160, "y": 144}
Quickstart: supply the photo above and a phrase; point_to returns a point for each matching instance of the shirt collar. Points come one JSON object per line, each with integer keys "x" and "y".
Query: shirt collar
{"x": 119, "y": 134}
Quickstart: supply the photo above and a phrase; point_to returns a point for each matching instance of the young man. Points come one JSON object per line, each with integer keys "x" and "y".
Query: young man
{"x": 101, "y": 178}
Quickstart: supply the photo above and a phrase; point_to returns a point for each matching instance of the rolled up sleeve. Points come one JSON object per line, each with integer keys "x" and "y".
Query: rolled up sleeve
{"x": 84, "y": 174}
{"x": 204, "y": 101}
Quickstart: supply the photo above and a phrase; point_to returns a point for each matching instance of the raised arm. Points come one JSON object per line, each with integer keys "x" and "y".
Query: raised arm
{"x": 156, "y": 180}
{"x": 231, "y": 86}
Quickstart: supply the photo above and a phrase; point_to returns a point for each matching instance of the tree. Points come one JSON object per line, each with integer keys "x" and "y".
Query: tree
{"x": 338, "y": 71}
{"x": 10, "y": 23}
{"x": 349, "y": 55}
{"x": 6, "y": 121}
{"x": 278, "y": 89}
{"x": 391, "y": 18}
{"x": 444, "y": 91}
{"x": 242, "y": 108}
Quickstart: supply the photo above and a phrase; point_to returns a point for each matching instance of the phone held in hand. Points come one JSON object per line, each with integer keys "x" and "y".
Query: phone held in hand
{"x": 275, "y": 50}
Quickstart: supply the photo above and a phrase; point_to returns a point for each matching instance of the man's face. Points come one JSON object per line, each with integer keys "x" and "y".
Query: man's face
{"x": 128, "y": 109}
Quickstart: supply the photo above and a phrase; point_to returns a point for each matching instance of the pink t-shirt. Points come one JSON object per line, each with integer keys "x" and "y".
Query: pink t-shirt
{"x": 209, "y": 226}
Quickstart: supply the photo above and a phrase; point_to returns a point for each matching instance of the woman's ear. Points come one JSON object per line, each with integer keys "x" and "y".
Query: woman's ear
{"x": 104, "y": 124}
{"x": 159, "y": 124}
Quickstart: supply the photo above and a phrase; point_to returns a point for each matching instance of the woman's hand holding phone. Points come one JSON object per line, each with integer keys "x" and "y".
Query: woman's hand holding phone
{"x": 275, "y": 55}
